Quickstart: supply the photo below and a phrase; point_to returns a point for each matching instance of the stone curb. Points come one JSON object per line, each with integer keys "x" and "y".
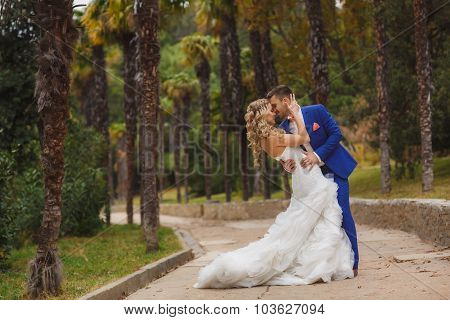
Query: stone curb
{"x": 126, "y": 285}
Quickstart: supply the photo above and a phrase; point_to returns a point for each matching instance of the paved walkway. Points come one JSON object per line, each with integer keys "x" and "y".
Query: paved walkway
{"x": 393, "y": 265}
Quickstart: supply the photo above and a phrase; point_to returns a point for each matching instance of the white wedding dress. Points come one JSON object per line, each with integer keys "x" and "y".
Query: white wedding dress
{"x": 306, "y": 242}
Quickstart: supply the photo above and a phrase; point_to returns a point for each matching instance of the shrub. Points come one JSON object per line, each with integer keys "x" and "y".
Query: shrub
{"x": 7, "y": 229}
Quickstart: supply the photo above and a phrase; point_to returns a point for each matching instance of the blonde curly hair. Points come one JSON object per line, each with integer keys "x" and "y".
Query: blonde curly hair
{"x": 258, "y": 128}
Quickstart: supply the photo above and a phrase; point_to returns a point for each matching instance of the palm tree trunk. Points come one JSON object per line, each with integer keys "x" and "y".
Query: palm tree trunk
{"x": 227, "y": 165}
{"x": 382, "y": 96}
{"x": 423, "y": 69}
{"x": 235, "y": 88}
{"x": 203, "y": 71}
{"x": 52, "y": 89}
{"x": 227, "y": 110}
{"x": 138, "y": 101}
{"x": 184, "y": 143}
{"x": 271, "y": 80}
{"x": 147, "y": 13}
{"x": 86, "y": 99}
{"x": 176, "y": 126}
{"x": 101, "y": 118}
{"x": 318, "y": 52}
{"x": 141, "y": 161}
{"x": 161, "y": 153}
{"x": 266, "y": 77}
{"x": 129, "y": 53}
{"x": 335, "y": 43}
{"x": 267, "y": 192}
{"x": 270, "y": 72}
{"x": 258, "y": 68}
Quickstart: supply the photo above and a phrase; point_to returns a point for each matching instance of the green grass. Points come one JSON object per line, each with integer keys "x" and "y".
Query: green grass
{"x": 90, "y": 263}
{"x": 365, "y": 183}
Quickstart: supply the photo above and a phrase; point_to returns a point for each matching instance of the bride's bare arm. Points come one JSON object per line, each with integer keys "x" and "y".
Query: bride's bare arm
{"x": 302, "y": 136}
{"x": 290, "y": 140}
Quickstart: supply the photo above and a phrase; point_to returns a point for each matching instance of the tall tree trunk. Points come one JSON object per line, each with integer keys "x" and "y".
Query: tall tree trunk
{"x": 270, "y": 73}
{"x": 129, "y": 53}
{"x": 184, "y": 143}
{"x": 261, "y": 91}
{"x": 177, "y": 146}
{"x": 203, "y": 71}
{"x": 161, "y": 168}
{"x": 335, "y": 43}
{"x": 227, "y": 164}
{"x": 271, "y": 80}
{"x": 58, "y": 35}
{"x": 318, "y": 52}
{"x": 86, "y": 99}
{"x": 141, "y": 161}
{"x": 266, "y": 77}
{"x": 101, "y": 118}
{"x": 227, "y": 111}
{"x": 229, "y": 46}
{"x": 258, "y": 68}
{"x": 423, "y": 69}
{"x": 138, "y": 100}
{"x": 382, "y": 96}
{"x": 266, "y": 176}
{"x": 147, "y": 14}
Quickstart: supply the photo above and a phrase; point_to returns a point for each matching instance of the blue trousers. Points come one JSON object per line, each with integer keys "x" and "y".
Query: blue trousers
{"x": 348, "y": 223}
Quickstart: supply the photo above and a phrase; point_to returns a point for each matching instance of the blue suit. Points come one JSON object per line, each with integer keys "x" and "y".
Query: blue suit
{"x": 325, "y": 142}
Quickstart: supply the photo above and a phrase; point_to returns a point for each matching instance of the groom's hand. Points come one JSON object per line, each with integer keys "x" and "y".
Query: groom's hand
{"x": 309, "y": 160}
{"x": 288, "y": 165}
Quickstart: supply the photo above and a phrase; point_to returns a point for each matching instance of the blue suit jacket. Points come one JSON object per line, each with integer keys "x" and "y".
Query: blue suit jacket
{"x": 325, "y": 140}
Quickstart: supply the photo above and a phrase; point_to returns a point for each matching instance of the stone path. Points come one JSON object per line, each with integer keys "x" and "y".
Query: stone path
{"x": 393, "y": 265}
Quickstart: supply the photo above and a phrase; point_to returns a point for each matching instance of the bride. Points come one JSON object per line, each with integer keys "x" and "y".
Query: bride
{"x": 306, "y": 243}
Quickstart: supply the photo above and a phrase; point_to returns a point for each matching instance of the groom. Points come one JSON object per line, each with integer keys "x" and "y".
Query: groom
{"x": 327, "y": 152}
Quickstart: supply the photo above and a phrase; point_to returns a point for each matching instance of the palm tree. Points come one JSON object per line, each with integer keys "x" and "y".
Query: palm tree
{"x": 257, "y": 15}
{"x": 423, "y": 69}
{"x": 318, "y": 51}
{"x": 95, "y": 24}
{"x": 382, "y": 95}
{"x": 220, "y": 17}
{"x": 232, "y": 97}
{"x": 198, "y": 50}
{"x": 261, "y": 90}
{"x": 181, "y": 88}
{"x": 119, "y": 22}
{"x": 58, "y": 36}
{"x": 147, "y": 19}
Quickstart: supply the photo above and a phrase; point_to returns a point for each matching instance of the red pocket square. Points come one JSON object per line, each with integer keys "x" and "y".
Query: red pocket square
{"x": 315, "y": 126}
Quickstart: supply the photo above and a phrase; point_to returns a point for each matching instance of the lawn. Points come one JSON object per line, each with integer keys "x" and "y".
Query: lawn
{"x": 90, "y": 263}
{"x": 364, "y": 183}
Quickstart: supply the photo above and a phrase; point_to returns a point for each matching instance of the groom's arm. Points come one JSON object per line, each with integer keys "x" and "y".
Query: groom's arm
{"x": 333, "y": 132}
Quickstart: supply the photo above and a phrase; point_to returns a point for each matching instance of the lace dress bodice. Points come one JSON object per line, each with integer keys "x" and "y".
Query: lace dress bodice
{"x": 304, "y": 180}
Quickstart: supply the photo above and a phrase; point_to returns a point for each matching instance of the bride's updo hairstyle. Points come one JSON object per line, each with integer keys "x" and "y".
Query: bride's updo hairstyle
{"x": 258, "y": 128}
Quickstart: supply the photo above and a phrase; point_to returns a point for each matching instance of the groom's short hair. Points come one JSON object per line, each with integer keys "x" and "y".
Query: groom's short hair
{"x": 280, "y": 92}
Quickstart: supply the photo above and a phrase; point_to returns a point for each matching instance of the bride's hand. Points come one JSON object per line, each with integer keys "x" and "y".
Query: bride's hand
{"x": 293, "y": 107}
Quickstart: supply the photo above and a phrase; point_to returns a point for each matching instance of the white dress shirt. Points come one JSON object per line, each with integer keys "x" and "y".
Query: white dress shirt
{"x": 307, "y": 145}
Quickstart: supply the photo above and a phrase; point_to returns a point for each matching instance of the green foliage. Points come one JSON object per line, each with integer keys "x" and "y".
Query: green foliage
{"x": 83, "y": 195}
{"x": 7, "y": 229}
{"x": 18, "y": 111}
{"x": 84, "y": 191}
